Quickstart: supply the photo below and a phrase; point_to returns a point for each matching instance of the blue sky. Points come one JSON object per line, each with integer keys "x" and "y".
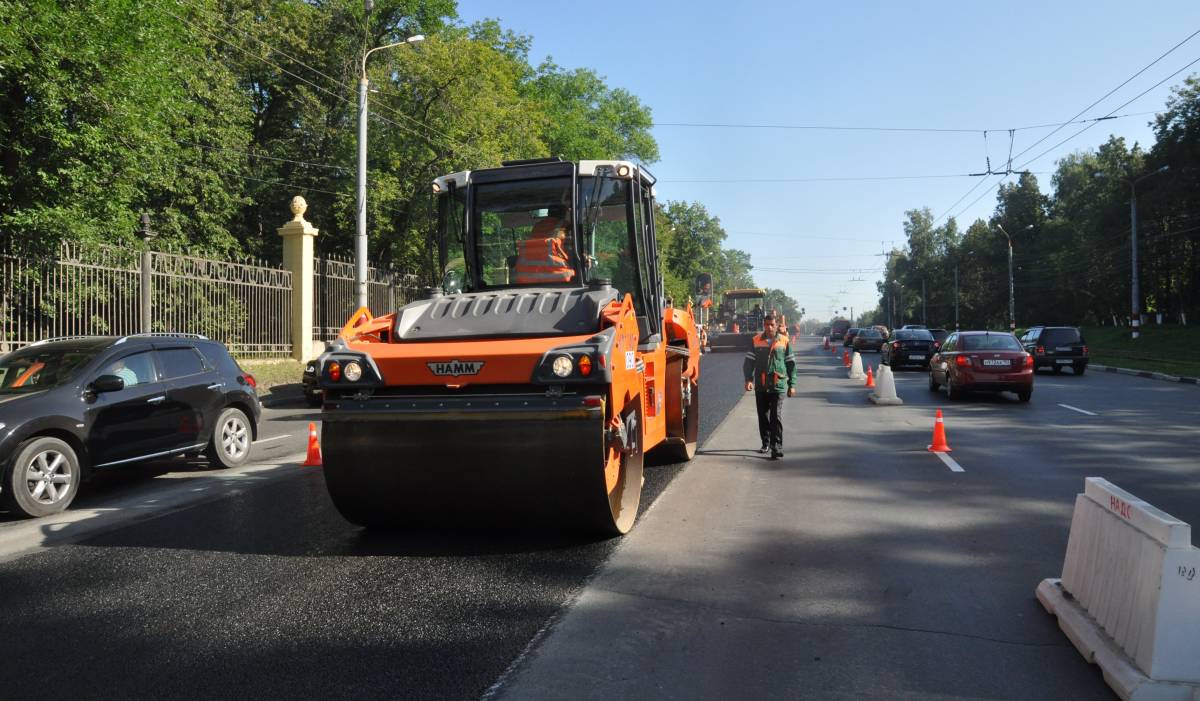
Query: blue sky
{"x": 946, "y": 65}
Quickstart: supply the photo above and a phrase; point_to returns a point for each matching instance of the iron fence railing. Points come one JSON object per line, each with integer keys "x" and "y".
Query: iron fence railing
{"x": 97, "y": 290}
{"x": 334, "y": 295}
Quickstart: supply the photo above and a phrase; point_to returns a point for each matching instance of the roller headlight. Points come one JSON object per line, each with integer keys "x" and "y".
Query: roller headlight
{"x": 563, "y": 365}
{"x": 352, "y": 371}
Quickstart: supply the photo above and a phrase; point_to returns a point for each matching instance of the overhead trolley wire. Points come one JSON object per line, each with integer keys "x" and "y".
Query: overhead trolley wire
{"x": 929, "y": 130}
{"x": 1072, "y": 120}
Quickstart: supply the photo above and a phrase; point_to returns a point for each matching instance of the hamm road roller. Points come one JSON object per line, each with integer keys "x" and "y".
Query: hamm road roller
{"x": 535, "y": 380}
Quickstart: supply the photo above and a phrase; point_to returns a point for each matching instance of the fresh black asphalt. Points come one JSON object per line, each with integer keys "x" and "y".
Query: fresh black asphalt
{"x": 271, "y": 594}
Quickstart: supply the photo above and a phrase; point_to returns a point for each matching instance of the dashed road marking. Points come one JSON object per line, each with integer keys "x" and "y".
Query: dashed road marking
{"x": 950, "y": 463}
{"x": 272, "y": 438}
{"x": 1081, "y": 411}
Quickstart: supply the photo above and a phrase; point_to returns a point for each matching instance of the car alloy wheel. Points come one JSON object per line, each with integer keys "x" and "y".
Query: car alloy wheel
{"x": 235, "y": 438}
{"x": 48, "y": 477}
{"x": 232, "y": 436}
{"x": 41, "y": 479}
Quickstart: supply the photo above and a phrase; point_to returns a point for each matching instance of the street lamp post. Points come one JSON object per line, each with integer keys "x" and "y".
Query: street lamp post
{"x": 1012, "y": 314}
{"x": 360, "y": 236}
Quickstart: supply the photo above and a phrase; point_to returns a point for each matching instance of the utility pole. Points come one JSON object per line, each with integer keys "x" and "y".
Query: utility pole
{"x": 923, "y": 321}
{"x": 147, "y": 268}
{"x": 956, "y": 296}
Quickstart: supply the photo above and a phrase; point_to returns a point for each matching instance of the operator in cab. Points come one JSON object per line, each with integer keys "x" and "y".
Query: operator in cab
{"x": 542, "y": 258}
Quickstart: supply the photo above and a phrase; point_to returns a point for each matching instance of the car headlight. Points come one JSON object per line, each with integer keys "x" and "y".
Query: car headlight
{"x": 563, "y": 365}
{"x": 352, "y": 371}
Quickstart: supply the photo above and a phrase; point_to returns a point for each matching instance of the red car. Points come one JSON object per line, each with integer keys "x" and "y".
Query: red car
{"x": 990, "y": 361}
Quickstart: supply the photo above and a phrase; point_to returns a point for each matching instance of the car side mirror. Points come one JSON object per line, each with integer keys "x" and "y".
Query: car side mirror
{"x": 107, "y": 383}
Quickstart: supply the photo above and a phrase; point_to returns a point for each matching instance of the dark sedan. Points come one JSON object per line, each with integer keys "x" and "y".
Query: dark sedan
{"x": 868, "y": 339}
{"x": 848, "y": 340}
{"x": 908, "y": 347}
{"x": 71, "y": 406}
{"x": 990, "y": 361}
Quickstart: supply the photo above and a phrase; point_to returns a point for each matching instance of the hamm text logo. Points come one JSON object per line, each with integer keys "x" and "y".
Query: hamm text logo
{"x": 454, "y": 368}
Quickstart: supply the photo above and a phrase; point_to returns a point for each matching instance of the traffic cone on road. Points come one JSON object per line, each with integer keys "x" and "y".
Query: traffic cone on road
{"x": 870, "y": 377}
{"x": 885, "y": 392}
{"x": 314, "y": 447}
{"x": 826, "y": 343}
{"x": 856, "y": 367}
{"x": 939, "y": 436}
{"x": 846, "y": 358}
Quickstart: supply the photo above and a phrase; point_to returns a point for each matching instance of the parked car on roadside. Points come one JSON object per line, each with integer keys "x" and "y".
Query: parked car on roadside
{"x": 868, "y": 339}
{"x": 72, "y": 406}
{"x": 991, "y": 361}
{"x": 908, "y": 347}
{"x": 1056, "y": 347}
{"x": 848, "y": 340}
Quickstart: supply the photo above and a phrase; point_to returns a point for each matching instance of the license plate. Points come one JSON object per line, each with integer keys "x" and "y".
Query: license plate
{"x": 1064, "y": 349}
{"x": 990, "y": 361}
{"x": 1064, "y": 361}
{"x": 916, "y": 357}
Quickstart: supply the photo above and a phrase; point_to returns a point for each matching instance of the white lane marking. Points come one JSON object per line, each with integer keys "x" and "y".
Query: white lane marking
{"x": 272, "y": 438}
{"x": 1081, "y": 411}
{"x": 954, "y": 467}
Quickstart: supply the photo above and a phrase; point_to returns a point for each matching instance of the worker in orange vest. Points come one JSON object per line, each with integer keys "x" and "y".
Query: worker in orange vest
{"x": 542, "y": 258}
{"x": 770, "y": 372}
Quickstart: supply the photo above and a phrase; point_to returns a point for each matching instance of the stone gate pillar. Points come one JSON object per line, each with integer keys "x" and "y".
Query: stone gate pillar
{"x": 298, "y": 237}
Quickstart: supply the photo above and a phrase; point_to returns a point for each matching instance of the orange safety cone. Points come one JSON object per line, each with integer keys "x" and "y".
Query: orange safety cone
{"x": 826, "y": 343}
{"x": 314, "y": 447}
{"x": 939, "y": 436}
{"x": 870, "y": 377}
{"x": 845, "y": 359}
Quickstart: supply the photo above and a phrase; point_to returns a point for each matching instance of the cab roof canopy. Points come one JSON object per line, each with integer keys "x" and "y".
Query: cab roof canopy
{"x": 747, "y": 293}
{"x": 543, "y": 167}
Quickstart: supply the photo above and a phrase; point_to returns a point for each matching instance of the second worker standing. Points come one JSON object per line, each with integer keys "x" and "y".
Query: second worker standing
{"x": 770, "y": 370}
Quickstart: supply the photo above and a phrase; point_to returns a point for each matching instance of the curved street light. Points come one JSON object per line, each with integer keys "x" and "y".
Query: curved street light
{"x": 1012, "y": 314}
{"x": 360, "y": 236}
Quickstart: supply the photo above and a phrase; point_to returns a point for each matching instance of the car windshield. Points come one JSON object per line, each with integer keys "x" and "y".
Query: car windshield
{"x": 994, "y": 342}
{"x": 1060, "y": 337}
{"x": 525, "y": 232}
{"x": 869, "y": 333}
{"x": 913, "y": 335}
{"x": 34, "y": 369}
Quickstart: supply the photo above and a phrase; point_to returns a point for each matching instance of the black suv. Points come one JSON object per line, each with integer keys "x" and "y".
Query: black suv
{"x": 73, "y": 405}
{"x": 1056, "y": 347}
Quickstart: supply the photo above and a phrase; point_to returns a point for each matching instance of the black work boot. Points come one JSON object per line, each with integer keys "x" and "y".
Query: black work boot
{"x": 763, "y": 449}
{"x": 776, "y": 452}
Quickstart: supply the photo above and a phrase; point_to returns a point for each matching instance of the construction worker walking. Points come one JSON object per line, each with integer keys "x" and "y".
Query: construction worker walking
{"x": 770, "y": 371}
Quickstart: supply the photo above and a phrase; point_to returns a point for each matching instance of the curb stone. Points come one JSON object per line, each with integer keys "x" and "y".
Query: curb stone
{"x": 1146, "y": 374}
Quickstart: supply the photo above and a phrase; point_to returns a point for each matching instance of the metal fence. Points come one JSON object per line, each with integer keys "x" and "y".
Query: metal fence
{"x": 96, "y": 289}
{"x": 334, "y": 294}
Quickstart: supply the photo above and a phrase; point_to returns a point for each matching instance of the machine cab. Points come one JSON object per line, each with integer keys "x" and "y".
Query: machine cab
{"x": 549, "y": 223}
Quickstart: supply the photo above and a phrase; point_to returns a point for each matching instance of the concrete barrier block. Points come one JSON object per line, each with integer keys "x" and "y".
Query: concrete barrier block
{"x": 1134, "y": 577}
